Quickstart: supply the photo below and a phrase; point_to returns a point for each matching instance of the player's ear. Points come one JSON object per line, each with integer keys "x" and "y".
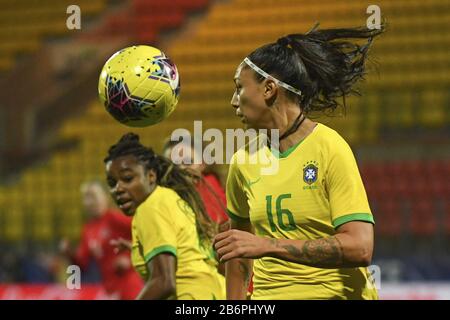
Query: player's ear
{"x": 151, "y": 175}
{"x": 270, "y": 90}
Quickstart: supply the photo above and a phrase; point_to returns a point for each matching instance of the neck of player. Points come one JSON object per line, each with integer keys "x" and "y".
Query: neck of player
{"x": 285, "y": 120}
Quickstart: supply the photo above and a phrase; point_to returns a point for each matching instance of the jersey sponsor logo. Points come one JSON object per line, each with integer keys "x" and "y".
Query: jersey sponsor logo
{"x": 310, "y": 172}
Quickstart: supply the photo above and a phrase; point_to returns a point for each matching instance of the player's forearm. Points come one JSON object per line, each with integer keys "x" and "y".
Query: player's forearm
{"x": 238, "y": 273}
{"x": 339, "y": 251}
{"x": 157, "y": 289}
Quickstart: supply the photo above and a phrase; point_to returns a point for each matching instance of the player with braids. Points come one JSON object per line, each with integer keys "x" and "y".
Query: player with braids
{"x": 171, "y": 232}
{"x": 306, "y": 230}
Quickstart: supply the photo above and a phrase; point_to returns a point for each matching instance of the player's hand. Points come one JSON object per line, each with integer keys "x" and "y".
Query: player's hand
{"x": 239, "y": 244}
{"x": 120, "y": 244}
{"x": 121, "y": 264}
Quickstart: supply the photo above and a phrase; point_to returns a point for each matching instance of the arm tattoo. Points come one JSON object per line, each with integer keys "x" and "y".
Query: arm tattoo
{"x": 243, "y": 268}
{"x": 293, "y": 250}
{"x": 274, "y": 242}
{"x": 318, "y": 253}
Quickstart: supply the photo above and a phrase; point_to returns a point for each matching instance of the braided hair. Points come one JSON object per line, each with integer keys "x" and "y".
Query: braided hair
{"x": 168, "y": 175}
{"x": 322, "y": 64}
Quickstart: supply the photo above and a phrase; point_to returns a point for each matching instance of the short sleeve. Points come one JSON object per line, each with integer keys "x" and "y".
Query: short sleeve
{"x": 156, "y": 232}
{"x": 348, "y": 199}
{"x": 237, "y": 204}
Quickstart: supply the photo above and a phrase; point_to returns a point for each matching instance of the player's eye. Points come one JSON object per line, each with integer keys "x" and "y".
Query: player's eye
{"x": 111, "y": 182}
{"x": 127, "y": 179}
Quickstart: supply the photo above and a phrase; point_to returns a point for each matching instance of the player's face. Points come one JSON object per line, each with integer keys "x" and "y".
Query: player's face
{"x": 130, "y": 183}
{"x": 184, "y": 155}
{"x": 248, "y": 99}
{"x": 95, "y": 200}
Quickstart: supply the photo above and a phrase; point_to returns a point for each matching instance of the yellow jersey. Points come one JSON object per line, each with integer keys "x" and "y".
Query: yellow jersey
{"x": 165, "y": 223}
{"x": 315, "y": 189}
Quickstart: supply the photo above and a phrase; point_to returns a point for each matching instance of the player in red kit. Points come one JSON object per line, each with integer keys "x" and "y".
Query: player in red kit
{"x": 205, "y": 176}
{"x": 119, "y": 279}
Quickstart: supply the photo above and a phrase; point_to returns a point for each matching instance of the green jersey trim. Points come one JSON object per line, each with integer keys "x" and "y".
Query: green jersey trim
{"x": 237, "y": 218}
{"x": 287, "y": 152}
{"x": 167, "y": 249}
{"x": 367, "y": 217}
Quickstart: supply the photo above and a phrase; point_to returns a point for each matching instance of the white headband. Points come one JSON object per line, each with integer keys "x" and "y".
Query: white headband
{"x": 268, "y": 76}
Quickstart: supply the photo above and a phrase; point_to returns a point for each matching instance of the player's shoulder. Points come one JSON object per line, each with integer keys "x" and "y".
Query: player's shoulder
{"x": 161, "y": 197}
{"x": 244, "y": 153}
{"x": 328, "y": 135}
{"x": 330, "y": 140}
{"x": 164, "y": 204}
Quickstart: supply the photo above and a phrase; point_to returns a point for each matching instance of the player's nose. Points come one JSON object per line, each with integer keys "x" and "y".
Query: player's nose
{"x": 118, "y": 189}
{"x": 234, "y": 101}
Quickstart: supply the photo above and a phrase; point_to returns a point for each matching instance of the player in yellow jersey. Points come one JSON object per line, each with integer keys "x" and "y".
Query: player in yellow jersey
{"x": 171, "y": 233}
{"x": 306, "y": 229}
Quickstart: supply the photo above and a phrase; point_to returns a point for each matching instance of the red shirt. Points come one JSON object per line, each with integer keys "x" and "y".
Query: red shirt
{"x": 95, "y": 243}
{"x": 213, "y": 197}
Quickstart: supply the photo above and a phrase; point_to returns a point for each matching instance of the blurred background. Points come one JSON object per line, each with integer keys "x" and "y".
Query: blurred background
{"x": 54, "y": 133}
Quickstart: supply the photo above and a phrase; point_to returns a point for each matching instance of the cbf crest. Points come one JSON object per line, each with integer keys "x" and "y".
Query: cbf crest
{"x": 310, "y": 172}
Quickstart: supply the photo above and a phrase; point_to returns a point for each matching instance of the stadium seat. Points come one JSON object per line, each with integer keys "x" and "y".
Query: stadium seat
{"x": 447, "y": 216}
{"x": 388, "y": 217}
{"x": 423, "y": 221}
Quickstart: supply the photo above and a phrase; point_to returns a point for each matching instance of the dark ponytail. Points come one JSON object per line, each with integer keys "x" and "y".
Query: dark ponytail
{"x": 323, "y": 64}
{"x": 167, "y": 175}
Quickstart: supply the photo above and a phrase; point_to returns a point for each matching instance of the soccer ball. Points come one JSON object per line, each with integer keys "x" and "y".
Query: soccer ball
{"x": 139, "y": 86}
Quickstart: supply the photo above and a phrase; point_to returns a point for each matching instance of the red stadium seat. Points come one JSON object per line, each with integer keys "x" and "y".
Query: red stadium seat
{"x": 402, "y": 187}
{"x": 418, "y": 187}
{"x": 434, "y": 168}
{"x": 439, "y": 187}
{"x": 119, "y": 24}
{"x": 375, "y": 169}
{"x": 152, "y": 6}
{"x": 167, "y": 20}
{"x": 412, "y": 168}
{"x": 447, "y": 216}
{"x": 423, "y": 221}
{"x": 388, "y": 218}
{"x": 383, "y": 188}
{"x": 393, "y": 169}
